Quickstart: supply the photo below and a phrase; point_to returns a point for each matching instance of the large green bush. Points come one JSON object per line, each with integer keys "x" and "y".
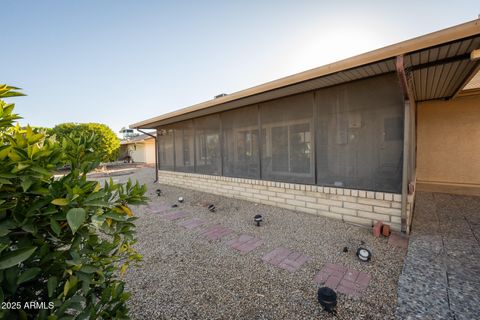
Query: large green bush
{"x": 106, "y": 146}
{"x": 64, "y": 242}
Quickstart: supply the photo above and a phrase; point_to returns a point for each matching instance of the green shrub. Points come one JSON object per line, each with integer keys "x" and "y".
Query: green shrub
{"x": 108, "y": 144}
{"x": 65, "y": 241}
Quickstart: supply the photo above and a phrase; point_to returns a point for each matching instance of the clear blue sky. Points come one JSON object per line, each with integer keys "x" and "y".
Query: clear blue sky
{"x": 119, "y": 62}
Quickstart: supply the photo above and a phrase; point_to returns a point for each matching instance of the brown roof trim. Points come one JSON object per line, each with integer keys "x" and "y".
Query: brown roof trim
{"x": 429, "y": 40}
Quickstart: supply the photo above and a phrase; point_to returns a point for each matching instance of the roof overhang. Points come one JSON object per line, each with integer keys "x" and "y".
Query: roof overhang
{"x": 438, "y": 65}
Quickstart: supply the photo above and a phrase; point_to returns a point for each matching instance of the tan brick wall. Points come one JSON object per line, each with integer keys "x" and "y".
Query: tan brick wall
{"x": 349, "y": 205}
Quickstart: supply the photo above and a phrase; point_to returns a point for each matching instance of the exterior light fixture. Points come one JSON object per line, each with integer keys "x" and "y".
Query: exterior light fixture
{"x": 180, "y": 199}
{"x": 364, "y": 254}
{"x": 158, "y": 192}
{"x": 211, "y": 207}
{"x": 327, "y": 298}
{"x": 258, "y": 218}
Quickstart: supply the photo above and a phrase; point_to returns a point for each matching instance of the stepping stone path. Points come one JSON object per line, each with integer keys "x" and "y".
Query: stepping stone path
{"x": 337, "y": 277}
{"x": 191, "y": 224}
{"x": 347, "y": 281}
{"x": 175, "y": 215}
{"x": 216, "y": 232}
{"x": 285, "y": 259}
{"x": 245, "y": 243}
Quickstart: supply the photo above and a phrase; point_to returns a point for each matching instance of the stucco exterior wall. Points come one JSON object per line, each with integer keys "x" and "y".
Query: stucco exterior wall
{"x": 448, "y": 141}
{"x": 138, "y": 152}
{"x": 349, "y": 205}
{"x": 150, "y": 151}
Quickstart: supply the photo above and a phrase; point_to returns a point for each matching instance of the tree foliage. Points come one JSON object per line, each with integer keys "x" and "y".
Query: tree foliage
{"x": 106, "y": 146}
{"x": 64, "y": 241}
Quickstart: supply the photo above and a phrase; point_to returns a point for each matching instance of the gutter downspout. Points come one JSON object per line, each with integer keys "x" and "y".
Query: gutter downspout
{"x": 408, "y": 100}
{"x": 156, "y": 152}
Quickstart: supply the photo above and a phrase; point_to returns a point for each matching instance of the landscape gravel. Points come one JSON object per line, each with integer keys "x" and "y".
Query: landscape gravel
{"x": 186, "y": 276}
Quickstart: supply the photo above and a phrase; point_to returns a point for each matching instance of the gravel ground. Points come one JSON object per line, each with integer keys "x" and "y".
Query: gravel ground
{"x": 186, "y": 276}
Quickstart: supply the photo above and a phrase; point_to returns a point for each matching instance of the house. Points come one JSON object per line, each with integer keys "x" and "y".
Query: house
{"x": 349, "y": 140}
{"x": 139, "y": 148}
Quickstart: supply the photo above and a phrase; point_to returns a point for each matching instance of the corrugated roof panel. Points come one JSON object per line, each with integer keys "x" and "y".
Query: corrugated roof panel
{"x": 465, "y": 45}
{"x": 463, "y": 69}
{"x": 440, "y": 81}
{"x": 424, "y": 58}
{"x": 423, "y": 78}
{"x": 443, "y": 52}
{"x": 440, "y": 73}
{"x": 475, "y": 44}
{"x": 412, "y": 78}
{"x": 454, "y": 47}
{"x": 432, "y": 81}
{"x": 451, "y": 68}
{"x": 433, "y": 54}
{"x": 371, "y": 72}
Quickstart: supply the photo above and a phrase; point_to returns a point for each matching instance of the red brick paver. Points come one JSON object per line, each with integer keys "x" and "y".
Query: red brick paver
{"x": 245, "y": 243}
{"x": 347, "y": 281}
{"x": 176, "y": 215}
{"x": 216, "y": 232}
{"x": 285, "y": 259}
{"x": 192, "y": 223}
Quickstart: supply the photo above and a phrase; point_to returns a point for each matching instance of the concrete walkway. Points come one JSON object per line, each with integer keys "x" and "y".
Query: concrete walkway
{"x": 441, "y": 274}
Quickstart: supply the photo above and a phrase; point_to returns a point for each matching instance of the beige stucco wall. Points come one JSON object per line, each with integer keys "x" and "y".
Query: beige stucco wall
{"x": 137, "y": 152}
{"x": 142, "y": 151}
{"x": 150, "y": 151}
{"x": 448, "y": 141}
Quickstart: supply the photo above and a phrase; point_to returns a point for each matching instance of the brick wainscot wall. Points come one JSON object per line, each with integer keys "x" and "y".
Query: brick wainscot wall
{"x": 350, "y": 205}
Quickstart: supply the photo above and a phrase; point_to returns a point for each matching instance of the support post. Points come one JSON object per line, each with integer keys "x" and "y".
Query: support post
{"x": 408, "y": 139}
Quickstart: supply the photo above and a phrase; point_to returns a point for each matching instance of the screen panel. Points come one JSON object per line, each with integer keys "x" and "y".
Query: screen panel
{"x": 240, "y": 143}
{"x": 207, "y": 145}
{"x": 360, "y": 134}
{"x": 165, "y": 148}
{"x": 287, "y": 139}
{"x": 184, "y": 147}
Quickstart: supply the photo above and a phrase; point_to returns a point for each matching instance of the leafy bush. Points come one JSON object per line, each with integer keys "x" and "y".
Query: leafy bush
{"x": 106, "y": 146}
{"x": 64, "y": 242}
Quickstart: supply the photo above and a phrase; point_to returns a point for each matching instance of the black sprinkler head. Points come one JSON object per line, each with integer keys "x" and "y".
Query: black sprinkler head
{"x": 174, "y": 205}
{"x": 327, "y": 298}
{"x": 211, "y": 207}
{"x": 158, "y": 192}
{"x": 258, "y": 218}
{"x": 364, "y": 254}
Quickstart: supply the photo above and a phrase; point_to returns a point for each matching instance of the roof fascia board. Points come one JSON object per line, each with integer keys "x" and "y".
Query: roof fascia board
{"x": 429, "y": 40}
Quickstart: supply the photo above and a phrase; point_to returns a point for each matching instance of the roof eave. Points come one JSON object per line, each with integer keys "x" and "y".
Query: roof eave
{"x": 429, "y": 40}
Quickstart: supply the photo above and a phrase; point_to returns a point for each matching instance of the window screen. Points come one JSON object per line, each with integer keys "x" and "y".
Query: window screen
{"x": 287, "y": 144}
{"x": 240, "y": 143}
{"x": 165, "y": 150}
{"x": 184, "y": 147}
{"x": 207, "y": 148}
{"x": 360, "y": 135}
